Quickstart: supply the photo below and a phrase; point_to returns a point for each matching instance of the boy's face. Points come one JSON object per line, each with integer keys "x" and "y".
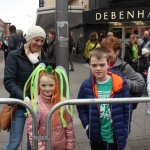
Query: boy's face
{"x": 47, "y": 85}
{"x": 99, "y": 68}
{"x": 112, "y": 54}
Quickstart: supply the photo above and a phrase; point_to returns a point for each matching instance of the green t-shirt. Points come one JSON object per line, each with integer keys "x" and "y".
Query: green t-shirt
{"x": 135, "y": 51}
{"x": 107, "y": 129}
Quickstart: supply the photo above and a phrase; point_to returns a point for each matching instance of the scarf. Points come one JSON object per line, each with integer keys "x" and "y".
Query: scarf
{"x": 6, "y": 42}
{"x": 33, "y": 57}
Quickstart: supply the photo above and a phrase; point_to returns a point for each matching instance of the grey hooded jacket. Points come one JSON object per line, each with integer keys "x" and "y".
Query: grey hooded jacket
{"x": 135, "y": 81}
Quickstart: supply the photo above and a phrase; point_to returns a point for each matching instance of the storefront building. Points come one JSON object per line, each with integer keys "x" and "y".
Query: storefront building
{"x": 123, "y": 18}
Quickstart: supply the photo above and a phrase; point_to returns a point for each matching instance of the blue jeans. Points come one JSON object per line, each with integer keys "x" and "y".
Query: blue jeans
{"x": 16, "y": 130}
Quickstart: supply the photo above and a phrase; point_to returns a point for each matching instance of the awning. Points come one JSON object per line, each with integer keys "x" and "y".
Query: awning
{"x": 46, "y": 16}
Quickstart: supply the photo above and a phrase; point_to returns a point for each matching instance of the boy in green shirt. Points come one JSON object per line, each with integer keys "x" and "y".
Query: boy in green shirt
{"x": 109, "y": 124}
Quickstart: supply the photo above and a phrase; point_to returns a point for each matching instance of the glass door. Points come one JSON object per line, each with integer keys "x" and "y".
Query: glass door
{"x": 119, "y": 33}
{"x": 129, "y": 31}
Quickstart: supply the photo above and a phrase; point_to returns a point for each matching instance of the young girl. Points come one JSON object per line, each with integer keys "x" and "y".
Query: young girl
{"x": 62, "y": 136}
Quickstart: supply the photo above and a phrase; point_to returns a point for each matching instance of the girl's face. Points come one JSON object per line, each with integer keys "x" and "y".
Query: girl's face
{"x": 36, "y": 44}
{"x": 47, "y": 85}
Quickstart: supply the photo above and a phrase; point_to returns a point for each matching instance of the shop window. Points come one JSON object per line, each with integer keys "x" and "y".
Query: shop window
{"x": 130, "y": 31}
{"x": 117, "y": 32}
{"x": 142, "y": 30}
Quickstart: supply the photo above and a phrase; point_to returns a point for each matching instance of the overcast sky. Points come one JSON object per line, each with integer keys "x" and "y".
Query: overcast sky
{"x": 17, "y": 12}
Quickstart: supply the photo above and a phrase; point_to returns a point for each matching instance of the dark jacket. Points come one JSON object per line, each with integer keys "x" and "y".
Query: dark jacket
{"x": 70, "y": 45}
{"x": 144, "y": 63}
{"x": 13, "y": 41}
{"x": 23, "y": 40}
{"x": 120, "y": 113}
{"x": 129, "y": 56}
{"x": 51, "y": 51}
{"x": 17, "y": 70}
{"x": 4, "y": 47}
{"x": 128, "y": 53}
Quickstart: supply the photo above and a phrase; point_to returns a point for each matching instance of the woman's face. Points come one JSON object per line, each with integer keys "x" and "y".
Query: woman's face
{"x": 36, "y": 44}
{"x": 135, "y": 39}
{"x": 47, "y": 85}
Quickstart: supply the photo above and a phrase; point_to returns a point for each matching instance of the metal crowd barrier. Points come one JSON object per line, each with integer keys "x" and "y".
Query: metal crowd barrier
{"x": 87, "y": 102}
{"x": 35, "y": 123}
{"x": 47, "y": 136}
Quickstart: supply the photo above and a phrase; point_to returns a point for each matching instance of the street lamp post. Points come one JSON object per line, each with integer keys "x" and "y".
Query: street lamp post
{"x": 62, "y": 51}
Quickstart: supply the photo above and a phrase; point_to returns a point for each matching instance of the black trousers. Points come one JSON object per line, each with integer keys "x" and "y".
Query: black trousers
{"x": 103, "y": 146}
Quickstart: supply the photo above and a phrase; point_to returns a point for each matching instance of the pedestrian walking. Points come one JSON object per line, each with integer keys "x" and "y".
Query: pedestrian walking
{"x": 107, "y": 125}
{"x": 19, "y": 65}
{"x": 51, "y": 50}
{"x": 20, "y": 33}
{"x": 132, "y": 52}
{"x": 70, "y": 52}
{"x": 14, "y": 39}
{"x": 4, "y": 46}
{"x": 91, "y": 44}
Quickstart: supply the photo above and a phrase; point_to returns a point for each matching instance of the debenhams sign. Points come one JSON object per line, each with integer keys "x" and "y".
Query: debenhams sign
{"x": 117, "y": 15}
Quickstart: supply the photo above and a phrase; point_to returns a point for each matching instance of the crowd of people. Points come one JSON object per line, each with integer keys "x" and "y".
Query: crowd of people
{"x": 107, "y": 125}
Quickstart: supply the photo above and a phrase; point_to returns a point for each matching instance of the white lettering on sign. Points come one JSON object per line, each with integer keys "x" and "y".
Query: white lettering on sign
{"x": 113, "y": 15}
{"x": 105, "y": 15}
{"x": 148, "y": 15}
{"x": 129, "y": 14}
{"x": 98, "y": 16}
{"x": 140, "y": 13}
{"x": 121, "y": 15}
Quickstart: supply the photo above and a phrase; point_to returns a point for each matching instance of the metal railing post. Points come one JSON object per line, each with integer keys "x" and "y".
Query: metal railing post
{"x": 35, "y": 123}
{"x": 87, "y": 102}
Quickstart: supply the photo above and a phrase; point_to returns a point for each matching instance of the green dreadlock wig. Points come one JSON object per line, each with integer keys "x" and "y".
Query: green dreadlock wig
{"x": 33, "y": 81}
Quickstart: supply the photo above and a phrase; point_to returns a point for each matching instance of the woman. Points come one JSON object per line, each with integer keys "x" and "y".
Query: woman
{"x": 90, "y": 45}
{"x": 51, "y": 50}
{"x": 4, "y": 46}
{"x": 131, "y": 52}
{"x": 19, "y": 65}
{"x": 70, "y": 51}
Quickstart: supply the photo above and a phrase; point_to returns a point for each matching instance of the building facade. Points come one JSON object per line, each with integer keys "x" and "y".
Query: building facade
{"x": 1, "y": 29}
{"x": 122, "y": 17}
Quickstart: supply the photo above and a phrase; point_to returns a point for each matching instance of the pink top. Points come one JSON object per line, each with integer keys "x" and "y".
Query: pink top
{"x": 61, "y": 138}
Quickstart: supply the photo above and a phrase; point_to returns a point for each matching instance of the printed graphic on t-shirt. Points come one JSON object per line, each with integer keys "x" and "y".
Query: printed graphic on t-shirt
{"x": 107, "y": 130}
{"x": 105, "y": 112}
